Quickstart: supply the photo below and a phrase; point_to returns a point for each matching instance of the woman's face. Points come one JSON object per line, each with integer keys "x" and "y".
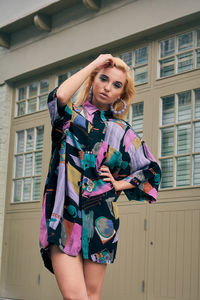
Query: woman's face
{"x": 108, "y": 86}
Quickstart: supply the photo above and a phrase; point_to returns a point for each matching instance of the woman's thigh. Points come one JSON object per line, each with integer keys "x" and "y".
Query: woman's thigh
{"x": 68, "y": 271}
{"x": 94, "y": 275}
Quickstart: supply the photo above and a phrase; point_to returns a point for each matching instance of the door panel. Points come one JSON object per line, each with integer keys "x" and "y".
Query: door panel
{"x": 24, "y": 275}
{"x": 174, "y": 251}
{"x": 123, "y": 279}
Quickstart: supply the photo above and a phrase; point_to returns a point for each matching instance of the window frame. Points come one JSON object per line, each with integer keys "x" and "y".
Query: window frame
{"x": 32, "y": 120}
{"x": 175, "y": 125}
{"x": 194, "y": 50}
{"x": 130, "y": 118}
{"x": 26, "y": 99}
{"x": 32, "y": 175}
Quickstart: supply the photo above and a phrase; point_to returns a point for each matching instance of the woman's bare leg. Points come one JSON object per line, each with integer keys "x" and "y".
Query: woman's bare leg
{"x": 94, "y": 275}
{"x": 68, "y": 271}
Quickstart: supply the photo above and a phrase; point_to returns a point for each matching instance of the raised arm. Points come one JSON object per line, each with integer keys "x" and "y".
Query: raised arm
{"x": 67, "y": 89}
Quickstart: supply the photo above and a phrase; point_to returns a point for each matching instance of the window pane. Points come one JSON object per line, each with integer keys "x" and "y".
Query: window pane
{"x": 22, "y": 93}
{"x": 184, "y": 106}
{"x": 137, "y": 114}
{"x": 197, "y": 104}
{"x": 198, "y": 59}
{"x": 198, "y": 38}
{"x": 38, "y": 163}
{"x": 33, "y": 90}
{"x": 168, "y": 110}
{"x": 127, "y": 58}
{"x": 197, "y": 137}
{"x": 167, "y": 141}
{"x": 167, "y": 173}
{"x": 17, "y": 190}
{"x": 27, "y": 189}
{"x": 185, "y": 41}
{"x": 44, "y": 86}
{"x": 18, "y": 166}
{"x": 29, "y": 139}
{"x": 39, "y": 139}
{"x": 196, "y": 170}
{"x": 28, "y": 164}
{"x": 183, "y": 171}
{"x": 32, "y": 105}
{"x": 141, "y": 56}
{"x": 141, "y": 75}
{"x": 62, "y": 78}
{"x": 167, "y": 67}
{"x": 42, "y": 102}
{"x": 20, "y": 141}
{"x": 167, "y": 47}
{"x": 36, "y": 188}
{"x": 183, "y": 138}
{"x": 21, "y": 108}
{"x": 185, "y": 62}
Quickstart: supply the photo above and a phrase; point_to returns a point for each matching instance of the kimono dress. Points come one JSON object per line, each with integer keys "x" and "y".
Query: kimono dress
{"x": 79, "y": 209}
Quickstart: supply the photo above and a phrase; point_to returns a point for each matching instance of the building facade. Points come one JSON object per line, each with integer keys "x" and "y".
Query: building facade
{"x": 42, "y": 44}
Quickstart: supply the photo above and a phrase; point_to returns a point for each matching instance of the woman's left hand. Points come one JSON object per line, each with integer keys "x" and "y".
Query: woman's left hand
{"x": 118, "y": 185}
{"x": 105, "y": 171}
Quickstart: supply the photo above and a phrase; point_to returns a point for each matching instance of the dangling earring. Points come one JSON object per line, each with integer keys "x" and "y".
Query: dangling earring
{"x": 90, "y": 95}
{"x": 118, "y": 112}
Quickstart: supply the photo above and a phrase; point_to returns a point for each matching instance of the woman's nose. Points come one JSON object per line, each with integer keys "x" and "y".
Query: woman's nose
{"x": 107, "y": 86}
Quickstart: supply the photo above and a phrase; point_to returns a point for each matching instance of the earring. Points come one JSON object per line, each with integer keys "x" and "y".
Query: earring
{"x": 118, "y": 112}
{"x": 90, "y": 95}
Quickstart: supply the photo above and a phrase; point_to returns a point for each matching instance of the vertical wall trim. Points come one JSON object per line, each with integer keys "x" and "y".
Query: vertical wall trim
{"x": 145, "y": 224}
{"x": 5, "y": 125}
{"x": 143, "y": 286}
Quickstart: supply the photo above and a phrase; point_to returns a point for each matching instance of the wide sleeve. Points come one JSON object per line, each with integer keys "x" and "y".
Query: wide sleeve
{"x": 141, "y": 167}
{"x": 60, "y": 115}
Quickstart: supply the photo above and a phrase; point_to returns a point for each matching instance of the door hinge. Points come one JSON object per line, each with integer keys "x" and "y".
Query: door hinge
{"x": 143, "y": 286}
{"x": 145, "y": 224}
{"x": 38, "y": 279}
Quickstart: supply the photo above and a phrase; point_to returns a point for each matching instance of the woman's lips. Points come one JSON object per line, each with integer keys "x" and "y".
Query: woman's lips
{"x": 103, "y": 95}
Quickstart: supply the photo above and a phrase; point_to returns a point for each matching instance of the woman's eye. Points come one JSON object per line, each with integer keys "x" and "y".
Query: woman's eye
{"x": 103, "y": 78}
{"x": 117, "y": 84}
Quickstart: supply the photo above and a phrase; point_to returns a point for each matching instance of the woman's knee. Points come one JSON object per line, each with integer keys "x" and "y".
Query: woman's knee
{"x": 93, "y": 291}
{"x": 94, "y": 275}
{"x": 75, "y": 295}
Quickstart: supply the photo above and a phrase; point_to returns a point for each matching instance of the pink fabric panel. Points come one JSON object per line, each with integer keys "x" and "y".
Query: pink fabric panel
{"x": 153, "y": 193}
{"x": 43, "y": 226}
{"x": 100, "y": 155}
{"x": 148, "y": 153}
{"x": 73, "y": 246}
{"x": 128, "y": 139}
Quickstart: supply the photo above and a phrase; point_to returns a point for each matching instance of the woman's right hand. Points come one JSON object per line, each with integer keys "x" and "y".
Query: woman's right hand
{"x": 103, "y": 61}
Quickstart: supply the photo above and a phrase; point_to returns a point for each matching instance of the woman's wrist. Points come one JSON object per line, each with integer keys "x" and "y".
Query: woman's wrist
{"x": 122, "y": 185}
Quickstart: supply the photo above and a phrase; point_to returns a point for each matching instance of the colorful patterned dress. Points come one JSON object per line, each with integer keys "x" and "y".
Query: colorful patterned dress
{"x": 79, "y": 210}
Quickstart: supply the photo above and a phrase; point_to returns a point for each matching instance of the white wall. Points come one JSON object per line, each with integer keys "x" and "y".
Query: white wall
{"x": 94, "y": 31}
{"x": 12, "y": 10}
{"x": 5, "y": 122}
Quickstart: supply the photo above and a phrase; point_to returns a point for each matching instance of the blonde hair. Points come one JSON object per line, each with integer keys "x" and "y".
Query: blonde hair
{"x": 127, "y": 95}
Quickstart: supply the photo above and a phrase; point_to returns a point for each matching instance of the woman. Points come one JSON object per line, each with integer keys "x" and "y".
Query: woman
{"x": 95, "y": 155}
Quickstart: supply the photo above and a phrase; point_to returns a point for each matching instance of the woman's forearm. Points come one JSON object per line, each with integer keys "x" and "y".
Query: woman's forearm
{"x": 68, "y": 88}
{"x": 122, "y": 185}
